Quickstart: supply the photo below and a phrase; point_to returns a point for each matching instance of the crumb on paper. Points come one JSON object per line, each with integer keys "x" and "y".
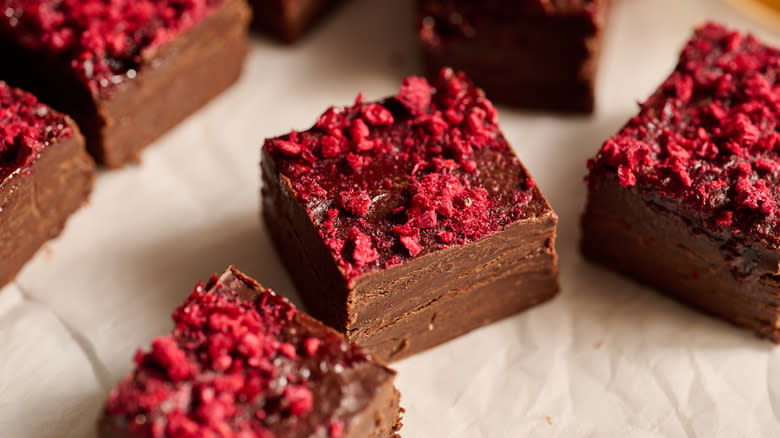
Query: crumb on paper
{"x": 549, "y": 420}
{"x": 47, "y": 251}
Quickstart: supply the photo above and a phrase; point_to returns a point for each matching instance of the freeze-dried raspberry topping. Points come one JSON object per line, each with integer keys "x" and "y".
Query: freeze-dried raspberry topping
{"x": 425, "y": 170}
{"x": 26, "y": 128}
{"x": 102, "y": 41}
{"x": 708, "y": 140}
{"x": 238, "y": 369}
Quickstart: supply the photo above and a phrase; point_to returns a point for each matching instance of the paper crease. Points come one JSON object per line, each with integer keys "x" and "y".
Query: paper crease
{"x": 99, "y": 370}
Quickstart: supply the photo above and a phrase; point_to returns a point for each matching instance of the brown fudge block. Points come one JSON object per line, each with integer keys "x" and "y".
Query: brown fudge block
{"x": 289, "y": 20}
{"x": 244, "y": 362}
{"x": 127, "y": 72}
{"x": 45, "y": 175}
{"x": 408, "y": 222}
{"x": 684, "y": 197}
{"x": 537, "y": 54}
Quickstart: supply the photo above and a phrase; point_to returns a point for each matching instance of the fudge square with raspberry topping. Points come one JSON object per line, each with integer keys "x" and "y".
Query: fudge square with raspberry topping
{"x": 290, "y": 20}
{"x": 127, "y": 71}
{"x": 537, "y": 54}
{"x": 409, "y": 221}
{"x": 685, "y": 196}
{"x": 45, "y": 176}
{"x": 244, "y": 362}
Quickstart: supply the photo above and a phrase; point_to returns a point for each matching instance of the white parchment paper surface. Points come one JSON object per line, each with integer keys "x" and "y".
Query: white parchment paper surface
{"x": 607, "y": 358}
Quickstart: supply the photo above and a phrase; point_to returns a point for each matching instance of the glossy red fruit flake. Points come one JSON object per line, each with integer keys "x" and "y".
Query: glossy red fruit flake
{"x": 364, "y": 251}
{"x": 708, "y": 141}
{"x": 336, "y": 429}
{"x": 27, "y": 127}
{"x": 421, "y": 171}
{"x": 102, "y": 41}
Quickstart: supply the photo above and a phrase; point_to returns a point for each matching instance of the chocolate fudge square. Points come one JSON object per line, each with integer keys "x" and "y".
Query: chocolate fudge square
{"x": 289, "y": 20}
{"x": 685, "y": 196}
{"x": 45, "y": 176}
{"x": 126, "y": 71}
{"x": 243, "y": 362}
{"x": 410, "y": 221}
{"x": 537, "y": 54}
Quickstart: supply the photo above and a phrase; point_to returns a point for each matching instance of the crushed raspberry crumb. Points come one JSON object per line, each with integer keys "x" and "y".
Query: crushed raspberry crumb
{"x": 377, "y": 115}
{"x": 707, "y": 140}
{"x": 101, "y": 41}
{"x": 425, "y": 170}
{"x": 415, "y": 95}
{"x": 364, "y": 251}
{"x": 311, "y": 345}
{"x": 336, "y": 429}
{"x": 299, "y": 399}
{"x": 356, "y": 202}
{"x": 27, "y": 128}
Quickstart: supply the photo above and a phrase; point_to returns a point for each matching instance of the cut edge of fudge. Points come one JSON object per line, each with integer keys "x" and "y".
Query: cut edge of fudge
{"x": 401, "y": 299}
{"x": 290, "y": 22}
{"x": 168, "y": 82}
{"x": 243, "y": 361}
{"x": 45, "y": 176}
{"x": 684, "y": 197}
{"x": 563, "y": 40}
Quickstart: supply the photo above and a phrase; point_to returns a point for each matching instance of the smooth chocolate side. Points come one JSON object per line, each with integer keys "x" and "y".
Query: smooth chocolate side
{"x": 319, "y": 281}
{"x": 171, "y": 84}
{"x": 35, "y": 205}
{"x": 438, "y": 297}
{"x": 547, "y": 62}
{"x": 289, "y": 20}
{"x": 658, "y": 247}
{"x": 427, "y": 301}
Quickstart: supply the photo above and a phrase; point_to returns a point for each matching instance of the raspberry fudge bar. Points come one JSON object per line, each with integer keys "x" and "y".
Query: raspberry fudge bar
{"x": 409, "y": 221}
{"x": 126, "y": 71}
{"x": 242, "y": 362}
{"x": 538, "y": 54}
{"x": 45, "y": 175}
{"x": 289, "y": 20}
{"x": 685, "y": 196}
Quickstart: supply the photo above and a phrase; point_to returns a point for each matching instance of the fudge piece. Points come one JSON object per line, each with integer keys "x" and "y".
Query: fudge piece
{"x": 685, "y": 196}
{"x": 127, "y": 71}
{"x": 45, "y": 175}
{"x": 289, "y": 20}
{"x": 243, "y": 362}
{"x": 538, "y": 54}
{"x": 409, "y": 221}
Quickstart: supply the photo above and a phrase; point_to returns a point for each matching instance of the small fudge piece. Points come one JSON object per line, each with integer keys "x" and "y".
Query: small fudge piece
{"x": 538, "y": 54}
{"x": 127, "y": 71}
{"x": 685, "y": 196}
{"x": 45, "y": 176}
{"x": 408, "y": 222}
{"x": 242, "y": 362}
{"x": 289, "y": 20}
